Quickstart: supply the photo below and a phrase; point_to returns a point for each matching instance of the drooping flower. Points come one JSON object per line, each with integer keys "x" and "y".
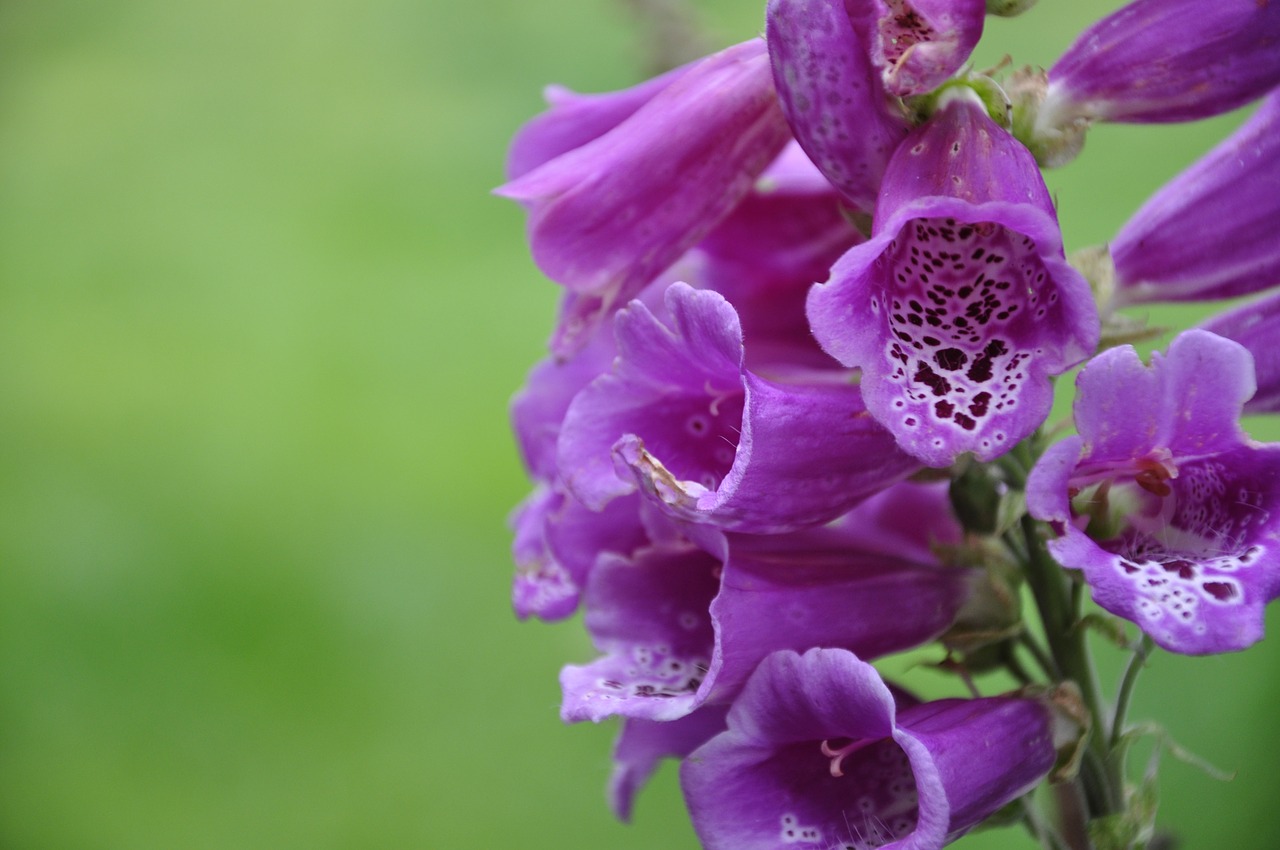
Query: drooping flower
{"x": 833, "y": 95}
{"x": 1210, "y": 232}
{"x": 1166, "y": 60}
{"x": 607, "y": 217}
{"x": 1183, "y": 510}
{"x": 818, "y": 755}
{"x": 680, "y": 628}
{"x": 960, "y": 306}
{"x": 708, "y": 440}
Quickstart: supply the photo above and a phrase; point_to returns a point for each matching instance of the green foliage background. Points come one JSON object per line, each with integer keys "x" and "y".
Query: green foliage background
{"x": 259, "y": 320}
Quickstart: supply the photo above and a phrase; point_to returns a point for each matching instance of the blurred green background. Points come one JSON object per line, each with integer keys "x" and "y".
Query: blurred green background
{"x": 259, "y": 320}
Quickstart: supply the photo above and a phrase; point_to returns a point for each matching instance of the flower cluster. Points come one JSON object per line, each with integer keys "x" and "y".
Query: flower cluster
{"x": 793, "y": 416}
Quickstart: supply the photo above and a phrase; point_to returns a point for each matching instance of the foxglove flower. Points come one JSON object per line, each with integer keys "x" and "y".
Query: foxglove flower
{"x": 1166, "y": 60}
{"x": 833, "y": 96}
{"x": 1256, "y": 326}
{"x": 818, "y": 755}
{"x": 1193, "y": 556}
{"x": 1211, "y": 232}
{"x": 709, "y": 441}
{"x": 607, "y": 217}
{"x": 961, "y": 305}
{"x": 681, "y": 628}
{"x": 917, "y": 44}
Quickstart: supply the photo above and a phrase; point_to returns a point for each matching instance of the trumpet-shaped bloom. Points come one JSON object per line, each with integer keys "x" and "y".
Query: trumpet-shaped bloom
{"x": 679, "y": 628}
{"x": 960, "y": 306}
{"x": 1184, "y": 510}
{"x": 607, "y": 217}
{"x": 833, "y": 96}
{"x": 1167, "y": 60}
{"x": 709, "y": 441}
{"x": 1211, "y": 232}
{"x": 818, "y": 755}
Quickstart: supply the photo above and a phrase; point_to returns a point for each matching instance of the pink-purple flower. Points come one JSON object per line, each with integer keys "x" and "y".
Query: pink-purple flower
{"x": 961, "y": 306}
{"x": 1169, "y": 509}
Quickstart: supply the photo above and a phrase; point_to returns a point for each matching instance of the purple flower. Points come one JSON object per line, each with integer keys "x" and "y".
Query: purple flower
{"x": 1211, "y": 232}
{"x": 1183, "y": 509}
{"x": 679, "y": 628}
{"x": 833, "y": 96}
{"x": 709, "y": 441}
{"x": 1256, "y": 326}
{"x": 818, "y": 755}
{"x": 961, "y": 305}
{"x": 607, "y": 217}
{"x": 1166, "y": 60}
{"x": 917, "y": 44}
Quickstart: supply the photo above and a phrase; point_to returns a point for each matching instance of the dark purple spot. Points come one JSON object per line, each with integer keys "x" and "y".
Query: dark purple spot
{"x": 1184, "y": 569}
{"x": 978, "y": 407}
{"x": 931, "y": 379}
{"x": 944, "y": 409}
{"x": 1220, "y": 590}
{"x": 965, "y": 422}
{"x": 951, "y": 359}
{"x": 982, "y": 369}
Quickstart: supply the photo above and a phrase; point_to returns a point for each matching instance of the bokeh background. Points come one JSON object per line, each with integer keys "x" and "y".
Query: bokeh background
{"x": 259, "y": 320}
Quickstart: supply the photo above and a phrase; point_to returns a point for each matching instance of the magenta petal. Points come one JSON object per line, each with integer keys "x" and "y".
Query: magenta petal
{"x": 961, "y": 306}
{"x": 816, "y": 755}
{"x": 606, "y": 218}
{"x": 642, "y": 744}
{"x": 1211, "y": 231}
{"x": 832, "y": 594}
{"x": 575, "y": 119}
{"x": 832, "y": 95}
{"x": 1256, "y": 326}
{"x": 1167, "y": 60}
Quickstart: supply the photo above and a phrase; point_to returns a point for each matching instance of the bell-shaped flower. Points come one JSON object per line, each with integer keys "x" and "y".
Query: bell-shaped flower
{"x": 833, "y": 95}
{"x": 1171, "y": 512}
{"x": 679, "y": 628}
{"x": 818, "y": 755}
{"x": 1164, "y": 61}
{"x": 917, "y": 44}
{"x": 961, "y": 305}
{"x": 607, "y": 217}
{"x": 1210, "y": 232}
{"x": 1256, "y": 326}
{"x": 709, "y": 441}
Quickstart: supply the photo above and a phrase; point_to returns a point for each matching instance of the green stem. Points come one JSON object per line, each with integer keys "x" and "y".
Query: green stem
{"x": 1070, "y": 651}
{"x": 1136, "y": 663}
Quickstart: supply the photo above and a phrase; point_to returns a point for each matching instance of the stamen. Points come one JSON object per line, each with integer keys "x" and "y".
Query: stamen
{"x": 837, "y": 756}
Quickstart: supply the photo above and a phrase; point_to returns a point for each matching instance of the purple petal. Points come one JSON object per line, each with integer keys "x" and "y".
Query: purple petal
{"x": 1167, "y": 60}
{"x": 648, "y": 617}
{"x": 557, "y": 542}
{"x": 1211, "y": 232}
{"x": 810, "y": 589}
{"x": 607, "y": 217}
{"x": 643, "y": 743}
{"x": 961, "y": 306}
{"x": 576, "y": 119}
{"x": 1256, "y": 326}
{"x": 832, "y": 95}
